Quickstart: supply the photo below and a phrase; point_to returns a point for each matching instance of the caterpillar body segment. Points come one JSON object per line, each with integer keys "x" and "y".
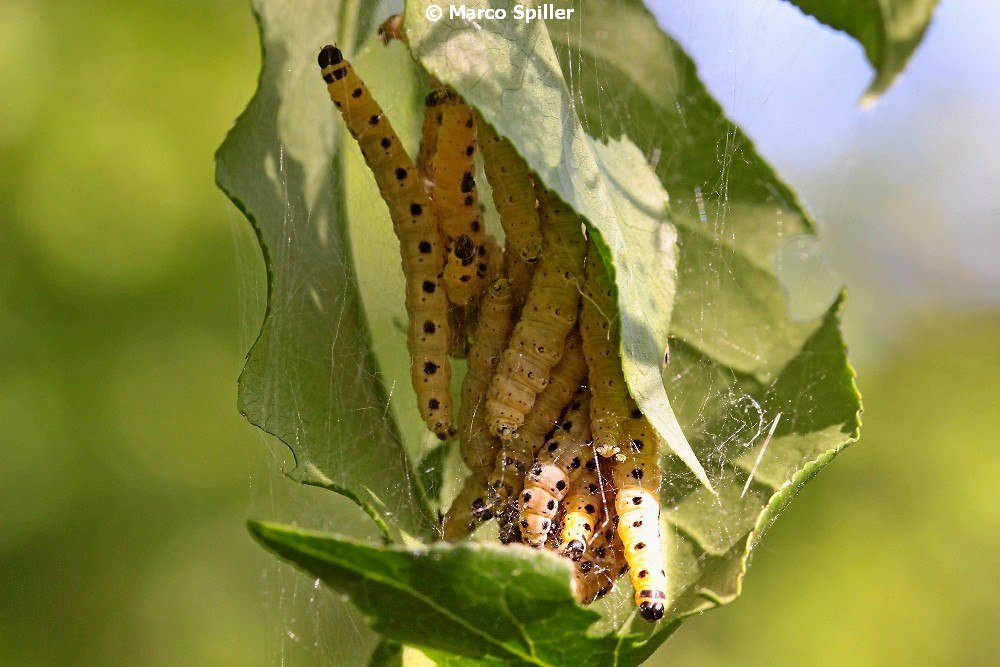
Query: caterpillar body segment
{"x": 637, "y": 480}
{"x": 495, "y": 323}
{"x": 415, "y": 226}
{"x": 600, "y": 567}
{"x": 548, "y": 315}
{"x": 456, "y": 197}
{"x": 467, "y": 510}
{"x": 554, "y": 539}
{"x": 584, "y": 504}
{"x": 490, "y": 266}
{"x": 556, "y": 466}
{"x": 428, "y": 140}
{"x": 513, "y": 192}
{"x": 609, "y": 405}
{"x": 519, "y": 272}
{"x": 458, "y": 326}
{"x": 517, "y": 454}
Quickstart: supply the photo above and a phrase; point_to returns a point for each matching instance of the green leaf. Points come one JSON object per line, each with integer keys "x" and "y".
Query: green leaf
{"x": 888, "y": 30}
{"x": 509, "y": 70}
{"x": 765, "y": 401}
{"x": 739, "y": 363}
{"x": 310, "y": 377}
{"x": 492, "y": 605}
{"x": 500, "y": 605}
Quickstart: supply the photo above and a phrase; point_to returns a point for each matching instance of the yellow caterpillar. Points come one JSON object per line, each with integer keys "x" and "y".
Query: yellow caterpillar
{"x": 416, "y": 228}
{"x": 637, "y": 480}
{"x": 428, "y": 140}
{"x": 513, "y": 193}
{"x": 557, "y": 465}
{"x": 467, "y": 510}
{"x": 518, "y": 453}
{"x": 519, "y": 272}
{"x": 462, "y": 318}
{"x": 456, "y": 198}
{"x": 479, "y": 446}
{"x": 549, "y": 313}
{"x": 584, "y": 505}
{"x": 610, "y": 397}
{"x": 596, "y": 573}
{"x": 496, "y": 322}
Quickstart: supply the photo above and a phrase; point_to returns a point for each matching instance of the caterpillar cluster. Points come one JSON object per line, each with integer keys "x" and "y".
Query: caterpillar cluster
{"x": 557, "y": 451}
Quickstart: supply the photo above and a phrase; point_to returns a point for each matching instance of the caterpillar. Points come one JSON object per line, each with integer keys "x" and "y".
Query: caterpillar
{"x": 557, "y": 465}
{"x": 456, "y": 198}
{"x": 513, "y": 193}
{"x": 610, "y": 397}
{"x": 517, "y": 454}
{"x": 549, "y": 313}
{"x": 415, "y": 226}
{"x": 490, "y": 266}
{"x": 479, "y": 446}
{"x": 600, "y": 568}
{"x": 637, "y": 480}
{"x": 428, "y": 140}
{"x": 467, "y": 510}
{"x": 584, "y": 504}
{"x": 496, "y": 321}
{"x": 519, "y": 272}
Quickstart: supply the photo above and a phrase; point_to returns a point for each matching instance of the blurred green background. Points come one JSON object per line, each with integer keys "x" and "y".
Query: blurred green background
{"x": 130, "y": 290}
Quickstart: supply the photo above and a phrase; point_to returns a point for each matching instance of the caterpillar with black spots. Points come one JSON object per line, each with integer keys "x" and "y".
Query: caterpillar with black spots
{"x": 584, "y": 506}
{"x": 599, "y": 331}
{"x": 415, "y": 226}
{"x": 549, "y": 314}
{"x": 454, "y": 191}
{"x": 637, "y": 481}
{"x": 517, "y": 454}
{"x": 557, "y": 465}
{"x": 478, "y": 446}
{"x": 596, "y": 573}
{"x": 513, "y": 192}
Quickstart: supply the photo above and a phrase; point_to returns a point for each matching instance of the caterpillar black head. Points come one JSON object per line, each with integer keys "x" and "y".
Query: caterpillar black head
{"x": 651, "y": 611}
{"x": 574, "y": 550}
{"x": 438, "y": 96}
{"x": 330, "y": 55}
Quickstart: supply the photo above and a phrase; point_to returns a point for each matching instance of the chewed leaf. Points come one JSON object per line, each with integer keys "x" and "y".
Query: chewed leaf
{"x": 509, "y": 70}
{"x": 310, "y": 378}
{"x": 889, "y": 31}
